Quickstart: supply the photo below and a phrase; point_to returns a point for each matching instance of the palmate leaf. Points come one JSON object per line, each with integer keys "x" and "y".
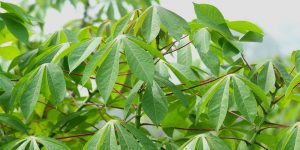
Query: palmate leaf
{"x": 56, "y": 82}
{"x": 184, "y": 56}
{"x": 266, "y": 78}
{"x": 252, "y": 37}
{"x": 286, "y": 100}
{"x": 128, "y": 137}
{"x": 108, "y": 72}
{"x": 131, "y": 96}
{"x": 202, "y": 43}
{"x": 148, "y": 47}
{"x": 295, "y": 58}
{"x": 291, "y": 139}
{"x": 218, "y": 105}
{"x": 154, "y": 103}
{"x": 205, "y": 142}
{"x": 211, "y": 17}
{"x": 244, "y": 99}
{"x": 139, "y": 61}
{"x": 96, "y": 60}
{"x": 80, "y": 53}
{"x": 31, "y": 94}
{"x": 35, "y": 143}
{"x": 15, "y": 27}
{"x": 13, "y": 122}
{"x": 177, "y": 92}
{"x": 151, "y": 25}
{"x": 255, "y": 89}
{"x": 244, "y": 26}
{"x": 6, "y": 87}
{"x": 119, "y": 27}
{"x": 174, "y": 24}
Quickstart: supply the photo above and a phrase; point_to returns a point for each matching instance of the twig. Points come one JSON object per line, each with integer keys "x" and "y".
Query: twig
{"x": 77, "y": 74}
{"x": 204, "y": 82}
{"x": 245, "y": 61}
{"x": 292, "y": 70}
{"x": 165, "y": 53}
{"x": 77, "y": 135}
{"x": 179, "y": 128}
{"x": 172, "y": 43}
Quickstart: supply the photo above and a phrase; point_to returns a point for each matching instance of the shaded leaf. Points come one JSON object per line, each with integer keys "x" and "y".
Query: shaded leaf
{"x": 154, "y": 103}
{"x": 108, "y": 72}
{"x": 139, "y": 61}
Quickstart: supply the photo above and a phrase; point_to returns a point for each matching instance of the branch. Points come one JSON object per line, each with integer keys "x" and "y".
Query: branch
{"x": 204, "y": 82}
{"x": 292, "y": 70}
{"x": 243, "y": 57}
{"x": 165, "y": 53}
{"x": 246, "y": 141}
{"x": 179, "y": 128}
{"x": 77, "y": 135}
{"x": 172, "y": 43}
{"x": 80, "y": 75}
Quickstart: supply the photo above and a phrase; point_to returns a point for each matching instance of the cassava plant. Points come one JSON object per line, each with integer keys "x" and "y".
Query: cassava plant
{"x": 147, "y": 80}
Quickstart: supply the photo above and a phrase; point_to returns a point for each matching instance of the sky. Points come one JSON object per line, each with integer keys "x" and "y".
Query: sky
{"x": 279, "y": 19}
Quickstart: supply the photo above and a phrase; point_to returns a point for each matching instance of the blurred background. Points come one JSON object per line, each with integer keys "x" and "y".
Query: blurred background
{"x": 279, "y": 19}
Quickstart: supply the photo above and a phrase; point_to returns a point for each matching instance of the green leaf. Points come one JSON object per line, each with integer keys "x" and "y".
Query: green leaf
{"x": 56, "y": 82}
{"x": 174, "y": 24}
{"x": 148, "y": 47}
{"x": 216, "y": 143}
{"x": 2, "y": 24}
{"x": 20, "y": 87}
{"x": 177, "y": 92}
{"x": 291, "y": 139}
{"x": 52, "y": 144}
{"x": 120, "y": 26}
{"x": 154, "y": 103}
{"x": 266, "y": 78}
{"x": 6, "y": 87}
{"x": 244, "y": 99}
{"x": 287, "y": 77}
{"x": 15, "y": 27}
{"x": 131, "y": 96}
{"x": 144, "y": 140}
{"x": 13, "y": 122}
{"x": 244, "y": 27}
{"x": 99, "y": 140}
{"x": 108, "y": 72}
{"x": 285, "y": 101}
{"x": 252, "y": 37}
{"x": 9, "y": 52}
{"x": 80, "y": 53}
{"x": 202, "y": 43}
{"x": 255, "y": 89}
{"x": 295, "y": 58}
{"x": 31, "y": 94}
{"x": 204, "y": 142}
{"x": 211, "y": 17}
{"x": 202, "y": 40}
{"x": 218, "y": 105}
{"x": 151, "y": 25}
{"x": 139, "y": 61}
{"x": 184, "y": 55}
{"x": 15, "y": 10}
{"x": 96, "y": 60}
{"x": 11, "y": 145}
{"x": 126, "y": 140}
{"x": 187, "y": 72}
{"x": 127, "y": 136}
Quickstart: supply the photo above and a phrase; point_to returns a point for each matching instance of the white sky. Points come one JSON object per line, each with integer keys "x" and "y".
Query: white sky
{"x": 279, "y": 19}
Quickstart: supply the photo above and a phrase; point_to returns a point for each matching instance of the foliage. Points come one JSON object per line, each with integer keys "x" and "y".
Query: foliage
{"x": 146, "y": 80}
